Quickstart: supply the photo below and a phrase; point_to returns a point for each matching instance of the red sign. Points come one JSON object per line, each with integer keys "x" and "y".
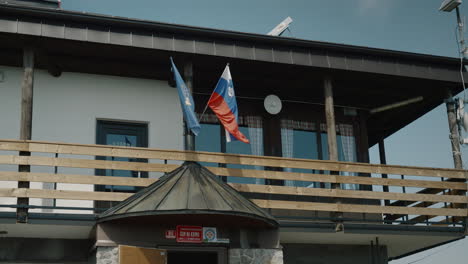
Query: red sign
{"x": 170, "y": 234}
{"x": 189, "y": 234}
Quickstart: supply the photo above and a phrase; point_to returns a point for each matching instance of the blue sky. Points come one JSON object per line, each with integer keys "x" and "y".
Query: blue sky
{"x": 406, "y": 25}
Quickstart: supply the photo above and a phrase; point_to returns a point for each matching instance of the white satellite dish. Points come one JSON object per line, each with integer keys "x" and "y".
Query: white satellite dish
{"x": 281, "y": 27}
{"x": 449, "y": 5}
{"x": 272, "y": 104}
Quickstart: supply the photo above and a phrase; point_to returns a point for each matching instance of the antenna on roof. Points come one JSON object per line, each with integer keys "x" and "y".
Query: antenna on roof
{"x": 281, "y": 27}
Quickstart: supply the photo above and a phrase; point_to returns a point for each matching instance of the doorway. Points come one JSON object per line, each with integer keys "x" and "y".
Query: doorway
{"x": 182, "y": 257}
{"x": 205, "y": 255}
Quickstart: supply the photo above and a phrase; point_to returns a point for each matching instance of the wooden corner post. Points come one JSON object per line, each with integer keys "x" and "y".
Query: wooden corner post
{"x": 25, "y": 126}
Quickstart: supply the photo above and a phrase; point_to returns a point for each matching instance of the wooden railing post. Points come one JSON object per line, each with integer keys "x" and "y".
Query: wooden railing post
{"x": 383, "y": 160}
{"x": 26, "y": 126}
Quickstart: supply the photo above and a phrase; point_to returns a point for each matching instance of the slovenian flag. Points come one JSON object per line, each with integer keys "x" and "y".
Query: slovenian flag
{"x": 186, "y": 101}
{"x": 224, "y": 105}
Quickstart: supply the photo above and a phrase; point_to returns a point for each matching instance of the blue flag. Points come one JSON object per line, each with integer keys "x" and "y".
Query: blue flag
{"x": 186, "y": 101}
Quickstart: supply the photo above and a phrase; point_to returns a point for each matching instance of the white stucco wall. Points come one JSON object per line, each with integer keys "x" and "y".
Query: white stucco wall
{"x": 66, "y": 109}
{"x": 10, "y": 107}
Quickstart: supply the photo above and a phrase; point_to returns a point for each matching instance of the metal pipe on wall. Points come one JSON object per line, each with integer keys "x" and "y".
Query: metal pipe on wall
{"x": 189, "y": 137}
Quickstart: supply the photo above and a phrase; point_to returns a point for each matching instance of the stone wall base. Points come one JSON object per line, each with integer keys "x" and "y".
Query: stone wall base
{"x": 255, "y": 255}
{"x": 110, "y": 255}
{"x": 107, "y": 255}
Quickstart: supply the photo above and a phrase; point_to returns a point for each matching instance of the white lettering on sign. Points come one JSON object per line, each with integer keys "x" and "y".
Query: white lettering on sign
{"x": 170, "y": 234}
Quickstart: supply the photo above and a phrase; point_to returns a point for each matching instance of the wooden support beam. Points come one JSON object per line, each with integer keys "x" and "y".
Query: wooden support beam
{"x": 331, "y": 139}
{"x": 426, "y": 204}
{"x": 75, "y": 179}
{"x": 301, "y": 191}
{"x": 330, "y": 119}
{"x": 62, "y": 194}
{"x": 454, "y": 136}
{"x": 26, "y": 124}
{"x": 86, "y": 163}
{"x": 357, "y": 208}
{"x": 27, "y": 94}
{"x": 423, "y": 218}
{"x": 273, "y": 204}
{"x": 268, "y": 189}
{"x": 267, "y": 161}
{"x": 250, "y": 173}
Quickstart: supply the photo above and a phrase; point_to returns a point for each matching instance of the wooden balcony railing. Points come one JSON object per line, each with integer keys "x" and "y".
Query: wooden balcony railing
{"x": 437, "y": 193}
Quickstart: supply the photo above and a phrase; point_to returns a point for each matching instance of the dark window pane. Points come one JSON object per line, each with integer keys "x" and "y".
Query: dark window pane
{"x": 351, "y": 156}
{"x": 238, "y": 147}
{"x": 324, "y": 138}
{"x": 121, "y": 140}
{"x": 304, "y": 147}
{"x": 121, "y": 134}
{"x": 209, "y": 139}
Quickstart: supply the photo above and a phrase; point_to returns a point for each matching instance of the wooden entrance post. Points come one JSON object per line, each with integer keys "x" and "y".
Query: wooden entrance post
{"x": 26, "y": 126}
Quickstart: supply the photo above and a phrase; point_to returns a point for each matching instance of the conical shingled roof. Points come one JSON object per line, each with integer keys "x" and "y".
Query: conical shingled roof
{"x": 193, "y": 190}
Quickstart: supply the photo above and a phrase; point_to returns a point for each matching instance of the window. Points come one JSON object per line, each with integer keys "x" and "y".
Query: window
{"x": 347, "y": 151}
{"x": 293, "y": 138}
{"x": 121, "y": 134}
{"x": 212, "y": 138}
{"x": 301, "y": 139}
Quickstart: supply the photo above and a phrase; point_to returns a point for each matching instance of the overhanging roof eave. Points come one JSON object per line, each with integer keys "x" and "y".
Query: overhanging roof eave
{"x": 281, "y": 49}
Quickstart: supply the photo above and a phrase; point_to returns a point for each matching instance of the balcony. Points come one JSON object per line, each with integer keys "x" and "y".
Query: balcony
{"x": 416, "y": 196}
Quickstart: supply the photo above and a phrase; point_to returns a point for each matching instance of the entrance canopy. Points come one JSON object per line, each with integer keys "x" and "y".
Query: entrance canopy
{"x": 191, "y": 194}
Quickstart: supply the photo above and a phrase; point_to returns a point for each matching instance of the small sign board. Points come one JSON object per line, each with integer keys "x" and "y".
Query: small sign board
{"x": 209, "y": 234}
{"x": 189, "y": 234}
{"x": 170, "y": 234}
{"x": 223, "y": 240}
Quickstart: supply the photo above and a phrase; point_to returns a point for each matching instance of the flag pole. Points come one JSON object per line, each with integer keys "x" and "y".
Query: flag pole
{"x": 189, "y": 136}
{"x": 204, "y": 110}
